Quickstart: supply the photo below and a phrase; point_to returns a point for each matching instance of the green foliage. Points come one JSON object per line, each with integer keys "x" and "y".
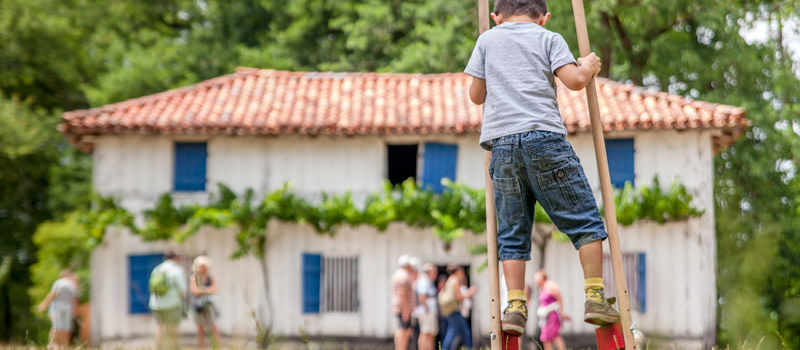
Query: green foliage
{"x": 62, "y": 245}
{"x": 165, "y": 219}
{"x": 28, "y": 150}
{"x": 72, "y": 54}
{"x": 104, "y": 212}
{"x": 5, "y": 269}
{"x": 651, "y": 203}
{"x": 450, "y": 213}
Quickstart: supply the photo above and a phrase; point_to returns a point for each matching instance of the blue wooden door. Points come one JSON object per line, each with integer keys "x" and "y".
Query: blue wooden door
{"x": 312, "y": 277}
{"x": 139, "y": 268}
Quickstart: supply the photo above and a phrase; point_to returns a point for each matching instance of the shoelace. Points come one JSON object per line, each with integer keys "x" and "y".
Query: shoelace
{"x": 597, "y": 293}
{"x": 521, "y": 306}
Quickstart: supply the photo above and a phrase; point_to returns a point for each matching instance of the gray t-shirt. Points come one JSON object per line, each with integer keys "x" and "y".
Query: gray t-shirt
{"x": 518, "y": 61}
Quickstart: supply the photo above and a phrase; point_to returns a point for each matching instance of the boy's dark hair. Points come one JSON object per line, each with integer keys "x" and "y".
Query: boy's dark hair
{"x": 532, "y": 8}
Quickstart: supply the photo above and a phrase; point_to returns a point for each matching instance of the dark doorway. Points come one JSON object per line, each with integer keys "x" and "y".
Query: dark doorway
{"x": 402, "y": 162}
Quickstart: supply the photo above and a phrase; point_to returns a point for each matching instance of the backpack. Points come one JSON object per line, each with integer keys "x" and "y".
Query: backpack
{"x": 447, "y": 300}
{"x": 159, "y": 282}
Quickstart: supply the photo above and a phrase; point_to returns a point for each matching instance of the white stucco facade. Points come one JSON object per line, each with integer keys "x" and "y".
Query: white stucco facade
{"x": 136, "y": 170}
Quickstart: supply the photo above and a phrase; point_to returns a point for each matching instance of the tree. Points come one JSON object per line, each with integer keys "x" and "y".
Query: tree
{"x": 70, "y": 54}
{"x": 25, "y": 160}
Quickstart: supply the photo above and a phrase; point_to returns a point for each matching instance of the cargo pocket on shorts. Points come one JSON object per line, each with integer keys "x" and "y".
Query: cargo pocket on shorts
{"x": 508, "y": 198}
{"x": 564, "y": 188}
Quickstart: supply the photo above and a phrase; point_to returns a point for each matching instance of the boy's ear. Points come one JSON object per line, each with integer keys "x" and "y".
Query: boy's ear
{"x": 544, "y": 18}
{"x": 497, "y": 18}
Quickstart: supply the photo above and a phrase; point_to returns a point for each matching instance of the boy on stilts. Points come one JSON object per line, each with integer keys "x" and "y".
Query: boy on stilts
{"x": 513, "y": 67}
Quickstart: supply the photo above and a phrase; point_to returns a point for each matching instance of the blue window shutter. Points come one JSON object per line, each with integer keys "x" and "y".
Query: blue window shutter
{"x": 620, "y": 161}
{"x": 439, "y": 163}
{"x": 140, "y": 267}
{"x": 190, "y": 166}
{"x": 312, "y": 276}
{"x": 641, "y": 270}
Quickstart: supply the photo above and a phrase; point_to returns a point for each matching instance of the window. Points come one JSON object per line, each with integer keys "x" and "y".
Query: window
{"x": 635, "y": 277}
{"x": 190, "y": 166}
{"x": 439, "y": 163}
{"x": 139, "y": 269}
{"x": 340, "y": 284}
{"x": 620, "y": 161}
{"x": 402, "y": 162}
{"x": 330, "y": 284}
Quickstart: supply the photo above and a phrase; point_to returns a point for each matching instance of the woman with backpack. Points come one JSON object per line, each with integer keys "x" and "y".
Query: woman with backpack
{"x": 167, "y": 294}
{"x": 202, "y": 287}
{"x": 449, "y": 300}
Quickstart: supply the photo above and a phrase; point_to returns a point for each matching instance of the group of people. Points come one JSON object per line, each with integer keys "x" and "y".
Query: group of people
{"x": 168, "y": 300}
{"x": 430, "y": 308}
{"x": 170, "y": 297}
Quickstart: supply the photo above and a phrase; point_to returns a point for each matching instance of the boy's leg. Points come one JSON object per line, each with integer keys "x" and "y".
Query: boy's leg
{"x": 598, "y": 310}
{"x": 516, "y": 313}
{"x": 514, "y": 202}
{"x": 560, "y": 185}
{"x": 514, "y": 273}
{"x": 591, "y": 255}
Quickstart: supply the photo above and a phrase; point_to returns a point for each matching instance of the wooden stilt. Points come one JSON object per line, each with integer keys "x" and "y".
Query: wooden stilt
{"x": 605, "y": 181}
{"x": 497, "y": 337}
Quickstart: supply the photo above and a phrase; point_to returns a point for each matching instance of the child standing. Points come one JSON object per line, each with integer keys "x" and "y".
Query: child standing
{"x": 513, "y": 67}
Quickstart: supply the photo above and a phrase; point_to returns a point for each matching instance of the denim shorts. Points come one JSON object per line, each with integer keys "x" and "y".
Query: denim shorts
{"x": 540, "y": 166}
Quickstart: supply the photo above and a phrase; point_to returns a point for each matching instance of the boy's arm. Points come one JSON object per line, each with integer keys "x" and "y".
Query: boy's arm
{"x": 577, "y": 77}
{"x": 477, "y": 90}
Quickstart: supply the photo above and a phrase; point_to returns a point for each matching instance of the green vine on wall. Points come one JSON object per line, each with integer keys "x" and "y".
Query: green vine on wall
{"x": 458, "y": 209}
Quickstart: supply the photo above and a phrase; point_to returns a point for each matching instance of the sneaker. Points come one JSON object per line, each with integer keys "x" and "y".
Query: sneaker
{"x": 600, "y": 313}
{"x": 514, "y": 317}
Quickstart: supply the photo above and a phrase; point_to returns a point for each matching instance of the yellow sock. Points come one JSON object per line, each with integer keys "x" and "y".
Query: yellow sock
{"x": 594, "y": 289}
{"x": 516, "y": 294}
{"x": 519, "y": 305}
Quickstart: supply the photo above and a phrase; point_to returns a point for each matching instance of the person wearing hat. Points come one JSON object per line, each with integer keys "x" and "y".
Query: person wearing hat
{"x": 403, "y": 302}
{"x": 428, "y": 309}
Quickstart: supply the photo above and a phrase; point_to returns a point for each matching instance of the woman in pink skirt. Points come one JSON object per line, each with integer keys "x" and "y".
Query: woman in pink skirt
{"x": 550, "y": 312}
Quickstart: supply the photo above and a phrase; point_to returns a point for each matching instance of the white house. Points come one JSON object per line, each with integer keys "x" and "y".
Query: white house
{"x": 334, "y": 132}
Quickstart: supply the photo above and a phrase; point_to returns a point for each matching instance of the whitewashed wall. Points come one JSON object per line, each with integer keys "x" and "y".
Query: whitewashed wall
{"x": 377, "y": 253}
{"x": 137, "y": 169}
{"x": 240, "y": 284}
{"x": 241, "y": 288}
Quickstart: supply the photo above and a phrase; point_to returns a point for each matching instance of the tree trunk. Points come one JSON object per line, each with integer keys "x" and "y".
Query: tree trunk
{"x": 263, "y": 333}
{"x": 5, "y": 306}
{"x": 542, "y": 234}
{"x": 605, "y": 48}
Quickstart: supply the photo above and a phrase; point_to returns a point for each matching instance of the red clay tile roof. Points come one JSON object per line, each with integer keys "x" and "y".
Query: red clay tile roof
{"x": 268, "y": 102}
